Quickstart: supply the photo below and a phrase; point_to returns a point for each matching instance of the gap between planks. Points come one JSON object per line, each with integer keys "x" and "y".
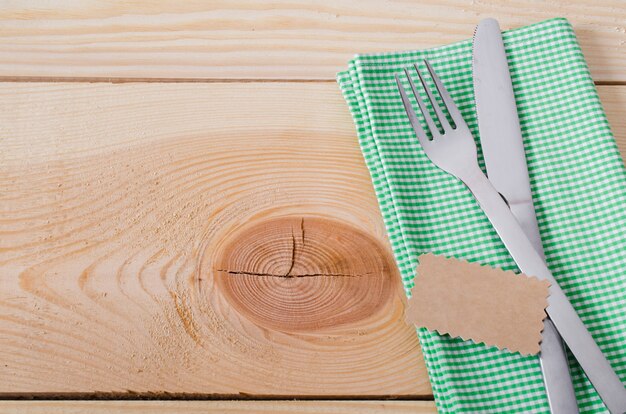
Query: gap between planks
{"x": 40, "y": 79}
{"x": 44, "y": 79}
{"x": 183, "y": 396}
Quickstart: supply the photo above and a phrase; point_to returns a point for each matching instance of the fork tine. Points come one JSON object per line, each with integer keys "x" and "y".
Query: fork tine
{"x": 415, "y": 123}
{"x": 434, "y": 131}
{"x": 453, "y": 110}
{"x": 440, "y": 115}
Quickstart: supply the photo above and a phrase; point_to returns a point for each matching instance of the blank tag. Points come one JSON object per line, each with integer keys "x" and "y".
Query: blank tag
{"x": 477, "y": 302}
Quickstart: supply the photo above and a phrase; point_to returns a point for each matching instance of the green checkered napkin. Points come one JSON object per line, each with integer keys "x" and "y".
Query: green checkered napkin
{"x": 579, "y": 187}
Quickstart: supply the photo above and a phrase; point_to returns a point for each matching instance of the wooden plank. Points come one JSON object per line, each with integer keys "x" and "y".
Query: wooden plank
{"x": 194, "y": 238}
{"x": 207, "y": 407}
{"x": 118, "y": 202}
{"x": 251, "y": 39}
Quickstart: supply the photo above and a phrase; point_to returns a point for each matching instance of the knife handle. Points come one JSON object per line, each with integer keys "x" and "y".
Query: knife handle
{"x": 569, "y": 325}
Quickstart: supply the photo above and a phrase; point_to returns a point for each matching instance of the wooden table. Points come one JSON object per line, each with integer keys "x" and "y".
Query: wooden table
{"x": 185, "y": 212}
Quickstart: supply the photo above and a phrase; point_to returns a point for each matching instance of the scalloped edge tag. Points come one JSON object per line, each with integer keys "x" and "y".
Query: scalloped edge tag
{"x": 479, "y": 303}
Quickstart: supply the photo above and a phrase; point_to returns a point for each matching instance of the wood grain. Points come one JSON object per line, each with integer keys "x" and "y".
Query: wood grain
{"x": 194, "y": 238}
{"x": 250, "y": 39}
{"x": 207, "y": 407}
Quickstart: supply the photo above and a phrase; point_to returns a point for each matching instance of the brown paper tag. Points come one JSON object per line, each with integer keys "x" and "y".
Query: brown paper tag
{"x": 480, "y": 303}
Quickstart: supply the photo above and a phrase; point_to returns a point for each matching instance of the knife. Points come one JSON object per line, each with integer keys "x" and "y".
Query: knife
{"x": 503, "y": 149}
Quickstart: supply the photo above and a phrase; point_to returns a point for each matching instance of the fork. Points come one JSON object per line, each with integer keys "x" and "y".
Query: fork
{"x": 453, "y": 150}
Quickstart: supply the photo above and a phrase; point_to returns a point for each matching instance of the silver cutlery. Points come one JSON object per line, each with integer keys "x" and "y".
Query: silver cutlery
{"x": 454, "y": 151}
{"x": 505, "y": 162}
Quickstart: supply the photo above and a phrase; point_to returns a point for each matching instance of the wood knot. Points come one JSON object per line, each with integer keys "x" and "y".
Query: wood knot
{"x": 296, "y": 274}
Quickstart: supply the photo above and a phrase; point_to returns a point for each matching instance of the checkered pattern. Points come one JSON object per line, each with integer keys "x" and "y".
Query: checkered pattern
{"x": 579, "y": 189}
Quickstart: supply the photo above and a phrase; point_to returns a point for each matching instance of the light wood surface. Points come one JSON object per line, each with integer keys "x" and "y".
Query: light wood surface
{"x": 199, "y": 238}
{"x": 207, "y": 407}
{"x": 187, "y": 231}
{"x": 289, "y": 39}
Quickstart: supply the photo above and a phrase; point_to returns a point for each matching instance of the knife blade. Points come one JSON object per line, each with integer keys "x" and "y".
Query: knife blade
{"x": 505, "y": 161}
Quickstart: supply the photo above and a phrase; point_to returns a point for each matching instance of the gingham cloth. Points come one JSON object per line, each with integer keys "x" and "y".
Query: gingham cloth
{"x": 578, "y": 183}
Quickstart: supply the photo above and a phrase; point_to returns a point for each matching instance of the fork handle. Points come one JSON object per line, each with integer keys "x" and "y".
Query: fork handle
{"x": 570, "y": 326}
